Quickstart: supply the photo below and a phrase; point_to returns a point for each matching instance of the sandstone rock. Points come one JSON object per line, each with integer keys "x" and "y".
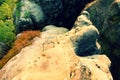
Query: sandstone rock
{"x": 51, "y": 29}
{"x": 105, "y": 15}
{"x": 83, "y": 20}
{"x": 35, "y": 14}
{"x": 86, "y": 44}
{"x": 106, "y": 18}
{"x": 53, "y": 57}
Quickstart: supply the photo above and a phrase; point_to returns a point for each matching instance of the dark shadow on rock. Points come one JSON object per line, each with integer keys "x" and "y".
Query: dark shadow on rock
{"x": 3, "y": 49}
{"x": 32, "y": 15}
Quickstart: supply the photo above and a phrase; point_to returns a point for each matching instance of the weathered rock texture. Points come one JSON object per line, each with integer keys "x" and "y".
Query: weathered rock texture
{"x": 35, "y": 14}
{"x": 88, "y": 44}
{"x": 52, "y": 56}
{"x": 55, "y": 59}
{"x": 105, "y": 15}
{"x": 30, "y": 64}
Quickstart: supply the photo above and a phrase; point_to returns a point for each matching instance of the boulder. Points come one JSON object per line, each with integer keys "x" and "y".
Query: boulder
{"x": 35, "y": 14}
{"x": 53, "y": 56}
{"x": 88, "y": 43}
{"x": 52, "y": 29}
{"x": 105, "y": 15}
{"x": 106, "y": 19}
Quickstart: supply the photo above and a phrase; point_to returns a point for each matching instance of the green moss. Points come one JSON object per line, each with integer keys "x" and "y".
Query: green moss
{"x": 6, "y": 30}
{"x": 5, "y": 12}
{"x": 26, "y": 14}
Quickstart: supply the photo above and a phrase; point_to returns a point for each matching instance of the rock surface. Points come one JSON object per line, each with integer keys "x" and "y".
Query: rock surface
{"x": 55, "y": 58}
{"x": 36, "y": 14}
{"x": 106, "y": 18}
{"x": 51, "y": 29}
{"x": 52, "y": 56}
{"x": 51, "y": 65}
{"x": 105, "y": 15}
{"x": 86, "y": 44}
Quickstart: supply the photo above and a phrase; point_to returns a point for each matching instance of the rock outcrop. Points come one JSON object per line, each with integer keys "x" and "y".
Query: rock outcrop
{"x": 53, "y": 56}
{"x": 88, "y": 44}
{"x": 35, "y": 14}
{"x": 105, "y": 15}
{"x": 30, "y": 64}
{"x": 51, "y": 29}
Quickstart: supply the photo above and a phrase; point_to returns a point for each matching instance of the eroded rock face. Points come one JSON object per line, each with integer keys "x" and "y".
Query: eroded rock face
{"x": 53, "y": 56}
{"x": 60, "y": 66}
{"x": 35, "y": 14}
{"x": 49, "y": 58}
{"x": 106, "y": 18}
{"x": 105, "y": 15}
{"x": 86, "y": 44}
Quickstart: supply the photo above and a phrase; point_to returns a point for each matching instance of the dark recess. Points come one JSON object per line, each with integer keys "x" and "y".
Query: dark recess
{"x": 71, "y": 11}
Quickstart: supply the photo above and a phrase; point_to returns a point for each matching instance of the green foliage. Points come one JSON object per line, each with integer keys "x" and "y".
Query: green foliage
{"x": 26, "y": 14}
{"x": 2, "y": 1}
{"x": 18, "y": 6}
{"x": 11, "y": 3}
{"x": 6, "y": 30}
{"x": 7, "y": 34}
{"x": 5, "y": 12}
